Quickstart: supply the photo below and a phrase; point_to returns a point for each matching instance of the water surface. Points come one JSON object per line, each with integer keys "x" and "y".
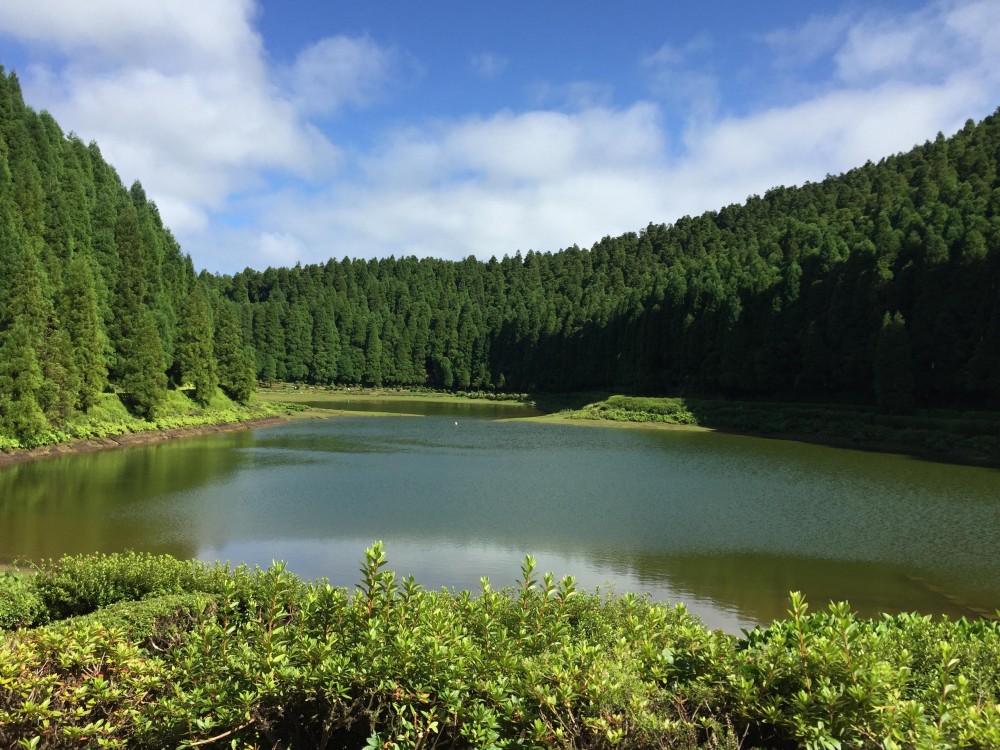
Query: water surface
{"x": 726, "y": 524}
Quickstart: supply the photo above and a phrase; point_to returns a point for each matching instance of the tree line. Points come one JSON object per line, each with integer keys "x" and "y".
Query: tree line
{"x": 96, "y": 295}
{"x": 880, "y": 285}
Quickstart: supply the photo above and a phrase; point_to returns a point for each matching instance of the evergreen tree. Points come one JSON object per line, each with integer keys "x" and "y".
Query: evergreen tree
{"x": 139, "y": 366}
{"x": 60, "y": 389}
{"x": 893, "y": 365}
{"x": 21, "y": 416}
{"x": 326, "y": 350}
{"x": 195, "y": 354}
{"x": 25, "y": 301}
{"x": 298, "y": 343}
{"x": 373, "y": 355}
{"x": 237, "y": 369}
{"x": 81, "y": 318}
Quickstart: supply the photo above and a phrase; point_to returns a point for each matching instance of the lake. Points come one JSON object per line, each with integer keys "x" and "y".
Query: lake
{"x": 726, "y": 524}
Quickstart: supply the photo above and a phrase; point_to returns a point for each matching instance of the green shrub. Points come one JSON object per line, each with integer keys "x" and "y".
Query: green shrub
{"x": 20, "y": 604}
{"x": 152, "y": 623}
{"x": 266, "y": 660}
{"x": 79, "y": 585}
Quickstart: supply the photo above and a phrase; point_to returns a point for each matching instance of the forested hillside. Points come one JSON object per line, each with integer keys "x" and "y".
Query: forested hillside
{"x": 95, "y": 293}
{"x": 879, "y": 285}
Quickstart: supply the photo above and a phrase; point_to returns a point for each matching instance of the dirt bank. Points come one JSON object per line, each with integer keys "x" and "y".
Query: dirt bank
{"x": 128, "y": 439}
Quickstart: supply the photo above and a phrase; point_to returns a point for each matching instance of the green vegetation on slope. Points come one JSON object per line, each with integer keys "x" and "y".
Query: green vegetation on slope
{"x": 967, "y": 435}
{"x": 108, "y": 417}
{"x": 878, "y": 286}
{"x": 96, "y": 297}
{"x": 145, "y": 651}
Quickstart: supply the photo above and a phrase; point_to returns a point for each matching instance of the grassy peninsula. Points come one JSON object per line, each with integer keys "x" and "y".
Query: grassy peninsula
{"x": 108, "y": 420}
{"x": 960, "y": 436}
{"x": 146, "y": 651}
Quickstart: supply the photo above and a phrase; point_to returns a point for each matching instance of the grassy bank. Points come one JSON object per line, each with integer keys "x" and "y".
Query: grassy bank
{"x": 964, "y": 436}
{"x": 109, "y": 418}
{"x": 294, "y": 393}
{"x": 145, "y": 651}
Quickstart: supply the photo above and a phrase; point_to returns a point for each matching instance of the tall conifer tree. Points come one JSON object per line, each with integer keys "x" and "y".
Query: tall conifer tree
{"x": 195, "y": 351}
{"x": 82, "y": 319}
{"x": 21, "y": 416}
{"x": 237, "y": 370}
{"x": 139, "y": 367}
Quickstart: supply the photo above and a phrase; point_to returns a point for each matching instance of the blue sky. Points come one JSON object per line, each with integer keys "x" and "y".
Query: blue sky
{"x": 271, "y": 133}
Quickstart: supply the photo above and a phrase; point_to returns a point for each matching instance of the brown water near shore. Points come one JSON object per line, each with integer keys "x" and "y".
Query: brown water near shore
{"x": 130, "y": 439}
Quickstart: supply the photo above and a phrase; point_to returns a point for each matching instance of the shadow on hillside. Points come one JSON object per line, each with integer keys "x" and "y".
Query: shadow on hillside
{"x": 553, "y": 402}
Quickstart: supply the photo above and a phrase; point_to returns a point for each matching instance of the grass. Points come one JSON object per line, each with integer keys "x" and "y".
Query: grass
{"x": 287, "y": 393}
{"x": 143, "y": 651}
{"x": 109, "y": 418}
{"x": 960, "y": 436}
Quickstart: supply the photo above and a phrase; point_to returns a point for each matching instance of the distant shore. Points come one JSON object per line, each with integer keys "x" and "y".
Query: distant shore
{"x": 129, "y": 439}
{"x": 947, "y": 436}
{"x": 969, "y": 438}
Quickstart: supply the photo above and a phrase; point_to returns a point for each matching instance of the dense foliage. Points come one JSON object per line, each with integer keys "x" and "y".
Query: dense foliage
{"x": 880, "y": 286}
{"x": 144, "y": 651}
{"x": 877, "y": 286}
{"x": 95, "y": 294}
{"x": 969, "y": 435}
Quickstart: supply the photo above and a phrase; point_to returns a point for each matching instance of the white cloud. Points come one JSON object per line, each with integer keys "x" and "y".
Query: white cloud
{"x": 279, "y": 249}
{"x": 124, "y": 31}
{"x": 681, "y": 77}
{"x": 816, "y": 38}
{"x": 339, "y": 70}
{"x": 180, "y": 94}
{"x": 519, "y": 148}
{"x": 832, "y": 133}
{"x": 488, "y": 64}
{"x": 545, "y": 179}
{"x": 486, "y": 186}
{"x": 176, "y": 94}
{"x": 929, "y": 44}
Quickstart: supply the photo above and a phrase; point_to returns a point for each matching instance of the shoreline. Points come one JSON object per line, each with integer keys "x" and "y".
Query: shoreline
{"x": 281, "y": 397}
{"x": 828, "y": 441}
{"x": 130, "y": 439}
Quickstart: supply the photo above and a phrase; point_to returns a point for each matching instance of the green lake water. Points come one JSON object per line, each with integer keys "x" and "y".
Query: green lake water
{"x": 726, "y": 524}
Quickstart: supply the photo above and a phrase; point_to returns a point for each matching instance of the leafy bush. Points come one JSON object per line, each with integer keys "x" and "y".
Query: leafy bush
{"x": 152, "y": 623}
{"x": 830, "y": 680}
{"x": 20, "y": 604}
{"x": 267, "y": 660}
{"x": 79, "y": 585}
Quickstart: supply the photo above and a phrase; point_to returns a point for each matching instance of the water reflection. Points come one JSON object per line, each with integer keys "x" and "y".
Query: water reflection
{"x": 726, "y": 524}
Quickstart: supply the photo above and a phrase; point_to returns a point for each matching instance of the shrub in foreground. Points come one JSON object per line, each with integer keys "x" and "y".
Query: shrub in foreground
{"x": 265, "y": 660}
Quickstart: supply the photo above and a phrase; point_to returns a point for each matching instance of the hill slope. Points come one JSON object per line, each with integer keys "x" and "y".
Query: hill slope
{"x": 880, "y": 284}
{"x": 95, "y": 294}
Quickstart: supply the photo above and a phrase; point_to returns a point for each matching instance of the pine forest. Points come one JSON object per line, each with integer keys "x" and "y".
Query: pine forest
{"x": 877, "y": 286}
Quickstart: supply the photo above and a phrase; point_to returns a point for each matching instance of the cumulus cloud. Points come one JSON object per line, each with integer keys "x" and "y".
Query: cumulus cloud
{"x": 681, "y": 76}
{"x": 488, "y": 64}
{"x": 337, "y": 71}
{"x": 207, "y": 129}
{"x": 123, "y": 31}
{"x": 177, "y": 94}
{"x": 805, "y": 44}
{"x": 546, "y": 179}
{"x": 488, "y": 186}
{"x": 932, "y": 43}
{"x": 279, "y": 248}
